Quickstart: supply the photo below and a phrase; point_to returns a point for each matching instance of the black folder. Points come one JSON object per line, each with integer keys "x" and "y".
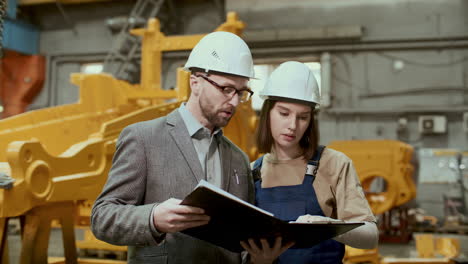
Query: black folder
{"x": 233, "y": 220}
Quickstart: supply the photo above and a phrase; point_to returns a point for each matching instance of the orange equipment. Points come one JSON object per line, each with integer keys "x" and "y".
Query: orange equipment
{"x": 21, "y": 80}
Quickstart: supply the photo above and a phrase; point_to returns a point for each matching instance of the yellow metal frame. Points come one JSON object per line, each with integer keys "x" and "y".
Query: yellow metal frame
{"x": 416, "y": 261}
{"x": 39, "y": 2}
{"x": 429, "y": 246}
{"x": 61, "y": 260}
{"x": 62, "y": 155}
{"x": 357, "y": 255}
{"x": 385, "y": 159}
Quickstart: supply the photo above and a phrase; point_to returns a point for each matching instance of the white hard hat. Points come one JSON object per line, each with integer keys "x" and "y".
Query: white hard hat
{"x": 222, "y": 52}
{"x": 293, "y": 80}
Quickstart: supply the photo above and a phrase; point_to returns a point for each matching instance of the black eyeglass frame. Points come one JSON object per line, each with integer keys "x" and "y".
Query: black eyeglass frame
{"x": 230, "y": 93}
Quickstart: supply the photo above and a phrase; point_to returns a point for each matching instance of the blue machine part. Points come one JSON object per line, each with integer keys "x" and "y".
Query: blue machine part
{"x": 18, "y": 35}
{"x": 11, "y": 8}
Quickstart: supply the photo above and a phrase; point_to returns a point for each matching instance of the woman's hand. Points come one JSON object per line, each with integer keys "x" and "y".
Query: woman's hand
{"x": 265, "y": 254}
{"x": 315, "y": 218}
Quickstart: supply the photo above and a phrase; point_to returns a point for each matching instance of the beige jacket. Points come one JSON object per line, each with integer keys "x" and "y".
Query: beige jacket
{"x": 337, "y": 185}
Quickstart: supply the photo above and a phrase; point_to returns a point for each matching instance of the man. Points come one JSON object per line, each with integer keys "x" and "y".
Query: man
{"x": 158, "y": 162}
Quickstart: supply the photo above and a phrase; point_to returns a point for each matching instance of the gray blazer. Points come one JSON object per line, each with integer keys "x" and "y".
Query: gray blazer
{"x": 156, "y": 160}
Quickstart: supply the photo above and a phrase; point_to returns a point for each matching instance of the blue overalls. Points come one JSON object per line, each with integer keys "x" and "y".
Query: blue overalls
{"x": 290, "y": 202}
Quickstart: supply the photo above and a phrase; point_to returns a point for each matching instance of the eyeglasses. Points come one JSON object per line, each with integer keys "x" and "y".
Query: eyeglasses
{"x": 229, "y": 91}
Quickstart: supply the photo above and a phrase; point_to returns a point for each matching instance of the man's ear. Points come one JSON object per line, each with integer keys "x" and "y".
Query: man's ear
{"x": 194, "y": 85}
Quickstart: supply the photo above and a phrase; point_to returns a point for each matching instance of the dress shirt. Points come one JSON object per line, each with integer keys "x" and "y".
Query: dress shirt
{"x": 206, "y": 145}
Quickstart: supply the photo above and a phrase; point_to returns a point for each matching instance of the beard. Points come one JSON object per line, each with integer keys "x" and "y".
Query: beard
{"x": 213, "y": 115}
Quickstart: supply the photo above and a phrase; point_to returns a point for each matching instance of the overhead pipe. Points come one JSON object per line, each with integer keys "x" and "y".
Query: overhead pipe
{"x": 355, "y": 47}
{"x": 326, "y": 76}
{"x": 395, "y": 111}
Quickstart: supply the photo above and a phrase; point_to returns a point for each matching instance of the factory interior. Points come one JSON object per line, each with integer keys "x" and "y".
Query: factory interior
{"x": 393, "y": 79}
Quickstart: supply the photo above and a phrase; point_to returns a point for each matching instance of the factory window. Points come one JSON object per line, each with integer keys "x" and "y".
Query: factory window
{"x": 91, "y": 68}
{"x": 262, "y": 71}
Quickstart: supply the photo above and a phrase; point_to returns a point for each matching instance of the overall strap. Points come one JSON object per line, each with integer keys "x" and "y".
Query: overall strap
{"x": 258, "y": 163}
{"x": 256, "y": 169}
{"x": 314, "y": 162}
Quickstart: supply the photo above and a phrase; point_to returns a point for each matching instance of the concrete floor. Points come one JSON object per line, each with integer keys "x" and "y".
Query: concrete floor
{"x": 386, "y": 250}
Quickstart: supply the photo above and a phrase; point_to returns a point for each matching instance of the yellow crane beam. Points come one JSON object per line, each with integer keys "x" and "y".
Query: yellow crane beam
{"x": 40, "y": 2}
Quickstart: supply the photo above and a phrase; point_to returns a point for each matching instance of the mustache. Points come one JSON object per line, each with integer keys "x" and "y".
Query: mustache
{"x": 228, "y": 109}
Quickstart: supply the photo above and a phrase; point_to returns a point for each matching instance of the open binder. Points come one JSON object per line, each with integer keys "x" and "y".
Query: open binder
{"x": 233, "y": 220}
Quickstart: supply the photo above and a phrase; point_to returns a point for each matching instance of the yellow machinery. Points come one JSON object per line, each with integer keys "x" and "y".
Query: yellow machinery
{"x": 382, "y": 162}
{"x": 385, "y": 173}
{"x": 59, "y": 157}
{"x": 428, "y": 246}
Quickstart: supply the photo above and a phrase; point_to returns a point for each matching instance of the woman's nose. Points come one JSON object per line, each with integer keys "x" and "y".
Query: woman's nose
{"x": 292, "y": 124}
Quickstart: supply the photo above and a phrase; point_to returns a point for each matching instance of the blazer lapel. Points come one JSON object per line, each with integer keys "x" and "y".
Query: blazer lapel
{"x": 181, "y": 137}
{"x": 225, "y": 154}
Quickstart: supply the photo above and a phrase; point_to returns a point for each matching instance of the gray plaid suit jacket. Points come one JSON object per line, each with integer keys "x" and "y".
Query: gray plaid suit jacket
{"x": 156, "y": 160}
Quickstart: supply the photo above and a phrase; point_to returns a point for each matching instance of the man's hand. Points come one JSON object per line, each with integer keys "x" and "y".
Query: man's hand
{"x": 265, "y": 254}
{"x": 170, "y": 216}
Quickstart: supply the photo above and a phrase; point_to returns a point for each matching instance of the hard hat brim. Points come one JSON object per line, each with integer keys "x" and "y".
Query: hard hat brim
{"x": 292, "y": 100}
{"x": 196, "y": 69}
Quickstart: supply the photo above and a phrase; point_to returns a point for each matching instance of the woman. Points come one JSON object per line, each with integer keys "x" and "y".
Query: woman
{"x": 329, "y": 189}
